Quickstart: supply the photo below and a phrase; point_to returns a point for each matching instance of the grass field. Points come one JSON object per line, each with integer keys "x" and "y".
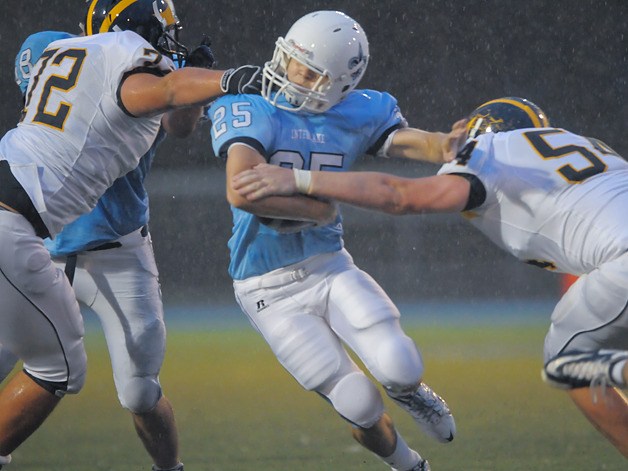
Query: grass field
{"x": 238, "y": 410}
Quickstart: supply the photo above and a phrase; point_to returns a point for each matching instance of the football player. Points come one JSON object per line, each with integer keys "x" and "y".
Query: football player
{"x": 551, "y": 198}
{"x": 108, "y": 256}
{"x": 94, "y": 106}
{"x": 292, "y": 276}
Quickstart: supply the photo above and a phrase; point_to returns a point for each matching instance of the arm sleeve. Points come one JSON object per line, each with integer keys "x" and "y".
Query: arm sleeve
{"x": 471, "y": 164}
{"x": 477, "y": 192}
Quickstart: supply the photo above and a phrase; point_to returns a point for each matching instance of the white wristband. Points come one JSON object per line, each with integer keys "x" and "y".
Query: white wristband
{"x": 303, "y": 180}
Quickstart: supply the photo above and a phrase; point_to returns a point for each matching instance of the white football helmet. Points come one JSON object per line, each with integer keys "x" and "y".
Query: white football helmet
{"x": 330, "y": 44}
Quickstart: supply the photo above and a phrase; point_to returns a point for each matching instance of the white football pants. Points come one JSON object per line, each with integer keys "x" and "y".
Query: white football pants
{"x": 40, "y": 320}
{"x": 593, "y": 313}
{"x": 307, "y": 311}
{"x": 121, "y": 286}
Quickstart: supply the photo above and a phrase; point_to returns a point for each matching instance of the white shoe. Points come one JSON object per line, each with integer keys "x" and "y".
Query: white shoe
{"x": 579, "y": 369}
{"x": 423, "y": 465}
{"x": 4, "y": 460}
{"x": 429, "y": 411}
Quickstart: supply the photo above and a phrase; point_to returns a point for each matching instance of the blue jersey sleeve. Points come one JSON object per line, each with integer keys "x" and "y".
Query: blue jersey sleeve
{"x": 241, "y": 118}
{"x": 30, "y": 52}
{"x": 375, "y": 114}
{"x": 123, "y": 208}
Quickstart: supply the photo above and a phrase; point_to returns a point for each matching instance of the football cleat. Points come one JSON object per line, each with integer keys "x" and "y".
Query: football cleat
{"x": 178, "y": 467}
{"x": 429, "y": 411}
{"x": 422, "y": 465}
{"x": 578, "y": 369}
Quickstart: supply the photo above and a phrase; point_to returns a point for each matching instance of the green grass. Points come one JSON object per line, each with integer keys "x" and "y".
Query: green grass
{"x": 237, "y": 409}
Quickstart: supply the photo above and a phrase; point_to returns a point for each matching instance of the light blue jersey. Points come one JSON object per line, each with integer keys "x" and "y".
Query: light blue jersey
{"x": 30, "y": 52}
{"x": 330, "y": 141}
{"x": 123, "y": 208}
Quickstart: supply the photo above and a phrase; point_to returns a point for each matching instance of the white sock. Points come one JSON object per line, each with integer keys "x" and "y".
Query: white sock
{"x": 5, "y": 459}
{"x": 617, "y": 373}
{"x": 403, "y": 458}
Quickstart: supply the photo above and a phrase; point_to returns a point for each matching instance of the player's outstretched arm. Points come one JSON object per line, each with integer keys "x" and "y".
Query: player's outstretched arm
{"x": 146, "y": 94}
{"x": 435, "y": 147}
{"x": 299, "y": 208}
{"x": 370, "y": 190}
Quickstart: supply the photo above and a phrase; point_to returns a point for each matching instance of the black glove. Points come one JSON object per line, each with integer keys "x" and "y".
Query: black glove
{"x": 244, "y": 79}
{"x": 201, "y": 56}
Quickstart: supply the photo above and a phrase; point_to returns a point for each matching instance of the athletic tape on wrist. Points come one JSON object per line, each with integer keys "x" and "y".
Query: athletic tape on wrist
{"x": 303, "y": 180}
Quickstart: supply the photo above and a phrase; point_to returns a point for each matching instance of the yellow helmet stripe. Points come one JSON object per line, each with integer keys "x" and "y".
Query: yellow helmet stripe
{"x": 536, "y": 120}
{"x": 169, "y": 15}
{"x": 113, "y": 14}
{"x": 90, "y": 14}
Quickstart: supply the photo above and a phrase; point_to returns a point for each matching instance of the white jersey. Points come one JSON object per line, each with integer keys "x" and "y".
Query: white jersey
{"x": 76, "y": 138}
{"x": 553, "y": 199}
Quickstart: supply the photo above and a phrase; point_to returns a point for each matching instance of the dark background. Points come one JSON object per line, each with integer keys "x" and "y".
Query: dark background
{"x": 441, "y": 59}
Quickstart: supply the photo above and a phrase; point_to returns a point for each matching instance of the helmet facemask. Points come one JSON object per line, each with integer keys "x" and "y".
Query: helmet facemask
{"x": 275, "y": 82}
{"x": 482, "y": 124}
{"x": 168, "y": 43}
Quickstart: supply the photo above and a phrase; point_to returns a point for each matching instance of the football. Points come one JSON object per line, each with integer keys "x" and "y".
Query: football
{"x": 285, "y": 226}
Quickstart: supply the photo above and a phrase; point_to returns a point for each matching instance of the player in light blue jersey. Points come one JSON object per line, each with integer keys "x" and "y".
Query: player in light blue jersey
{"x": 551, "y": 198}
{"x": 108, "y": 254}
{"x": 292, "y": 276}
{"x": 31, "y": 51}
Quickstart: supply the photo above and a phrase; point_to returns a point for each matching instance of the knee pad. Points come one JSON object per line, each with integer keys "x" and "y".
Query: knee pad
{"x": 357, "y": 400}
{"x": 140, "y": 394}
{"x": 398, "y": 362}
